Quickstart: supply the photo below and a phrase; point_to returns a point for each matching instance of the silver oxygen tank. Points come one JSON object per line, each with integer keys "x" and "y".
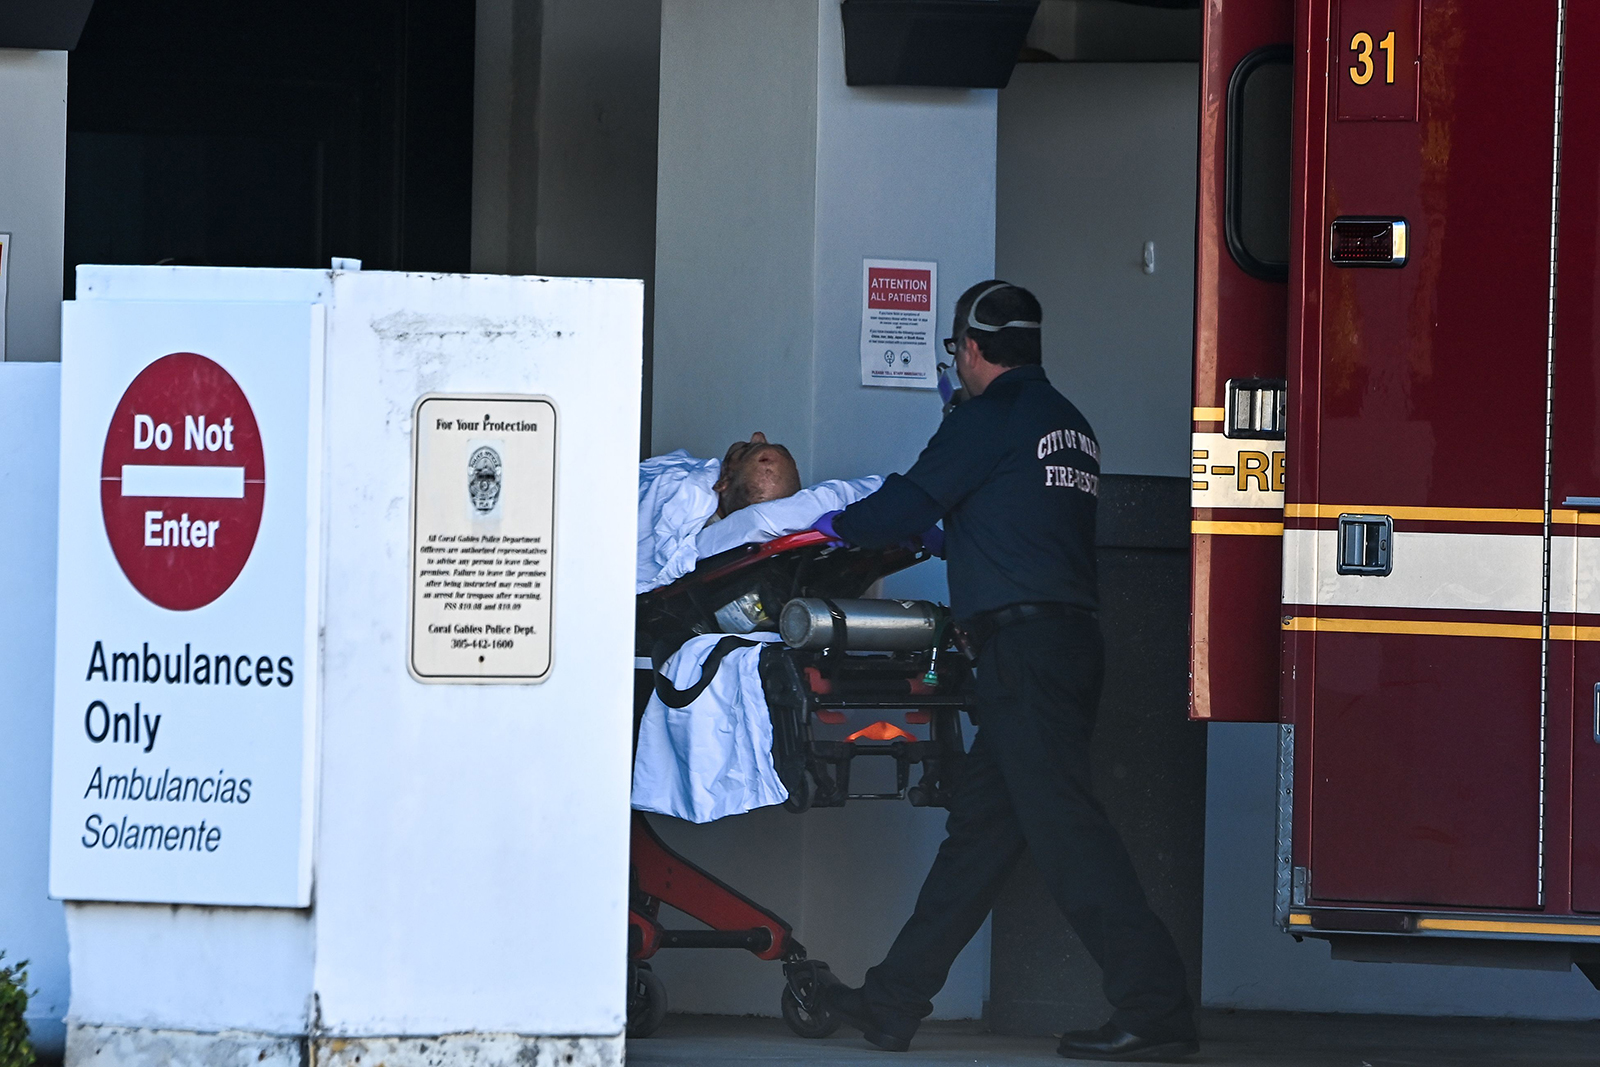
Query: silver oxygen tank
{"x": 866, "y": 625}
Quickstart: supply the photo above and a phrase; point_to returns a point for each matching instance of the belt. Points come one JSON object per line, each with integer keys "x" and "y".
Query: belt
{"x": 973, "y": 633}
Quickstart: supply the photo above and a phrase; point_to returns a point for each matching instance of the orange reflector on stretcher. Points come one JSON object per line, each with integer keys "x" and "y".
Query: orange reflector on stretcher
{"x": 881, "y": 731}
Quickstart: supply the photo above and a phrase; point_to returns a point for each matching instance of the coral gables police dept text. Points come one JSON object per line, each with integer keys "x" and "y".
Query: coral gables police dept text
{"x": 109, "y": 721}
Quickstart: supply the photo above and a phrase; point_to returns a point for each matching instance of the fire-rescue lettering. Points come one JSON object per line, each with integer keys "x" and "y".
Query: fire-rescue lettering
{"x": 1254, "y": 467}
{"x": 1072, "y": 478}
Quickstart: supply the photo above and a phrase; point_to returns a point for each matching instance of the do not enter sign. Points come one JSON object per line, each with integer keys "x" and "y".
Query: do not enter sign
{"x": 186, "y": 602}
{"x": 182, "y": 481}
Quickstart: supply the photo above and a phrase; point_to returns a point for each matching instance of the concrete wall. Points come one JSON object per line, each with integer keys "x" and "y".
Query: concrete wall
{"x": 33, "y": 190}
{"x": 505, "y": 123}
{"x": 564, "y": 141}
{"x": 775, "y": 181}
{"x": 139, "y": 966}
{"x": 31, "y": 925}
{"x": 736, "y": 206}
{"x": 902, "y": 174}
{"x": 1094, "y": 31}
{"x": 1250, "y": 964}
{"x": 1095, "y": 159}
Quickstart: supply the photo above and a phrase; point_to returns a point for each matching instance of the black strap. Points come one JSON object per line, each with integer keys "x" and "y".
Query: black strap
{"x": 674, "y": 697}
{"x": 840, "y": 634}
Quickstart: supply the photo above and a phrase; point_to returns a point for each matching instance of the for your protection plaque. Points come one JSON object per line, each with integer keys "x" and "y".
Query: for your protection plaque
{"x": 483, "y": 492}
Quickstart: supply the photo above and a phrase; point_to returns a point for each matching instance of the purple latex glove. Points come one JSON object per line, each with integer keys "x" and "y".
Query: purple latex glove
{"x": 931, "y": 539}
{"x": 825, "y": 525}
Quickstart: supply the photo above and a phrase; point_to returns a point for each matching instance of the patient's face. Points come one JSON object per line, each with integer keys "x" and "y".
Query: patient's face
{"x": 753, "y": 472}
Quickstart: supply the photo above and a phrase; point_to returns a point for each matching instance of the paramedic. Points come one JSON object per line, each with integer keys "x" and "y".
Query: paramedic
{"x": 754, "y": 472}
{"x": 1014, "y": 473}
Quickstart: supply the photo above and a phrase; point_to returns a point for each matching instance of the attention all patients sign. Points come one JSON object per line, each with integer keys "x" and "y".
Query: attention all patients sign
{"x": 898, "y": 302}
{"x": 186, "y": 603}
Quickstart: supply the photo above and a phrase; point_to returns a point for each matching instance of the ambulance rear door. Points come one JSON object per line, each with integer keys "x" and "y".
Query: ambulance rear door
{"x": 1414, "y": 585}
{"x": 1241, "y": 312}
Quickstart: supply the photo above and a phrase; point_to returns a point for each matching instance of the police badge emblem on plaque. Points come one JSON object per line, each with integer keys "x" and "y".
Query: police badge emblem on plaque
{"x": 483, "y": 478}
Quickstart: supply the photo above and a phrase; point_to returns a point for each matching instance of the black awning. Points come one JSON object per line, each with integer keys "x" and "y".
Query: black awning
{"x": 52, "y": 25}
{"x": 971, "y": 44}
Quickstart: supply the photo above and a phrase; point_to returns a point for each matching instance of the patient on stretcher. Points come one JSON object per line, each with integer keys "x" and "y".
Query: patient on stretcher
{"x": 691, "y": 508}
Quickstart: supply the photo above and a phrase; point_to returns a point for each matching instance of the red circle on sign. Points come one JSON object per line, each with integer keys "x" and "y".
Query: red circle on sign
{"x": 182, "y": 481}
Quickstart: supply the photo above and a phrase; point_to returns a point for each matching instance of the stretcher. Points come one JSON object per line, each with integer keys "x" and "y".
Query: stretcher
{"x": 899, "y": 660}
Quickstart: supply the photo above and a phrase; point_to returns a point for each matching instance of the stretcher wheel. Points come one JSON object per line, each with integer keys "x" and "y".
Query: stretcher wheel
{"x": 802, "y": 1010}
{"x": 647, "y": 1000}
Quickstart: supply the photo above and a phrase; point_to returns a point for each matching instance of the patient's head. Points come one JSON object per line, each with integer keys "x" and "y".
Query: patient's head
{"x": 755, "y": 471}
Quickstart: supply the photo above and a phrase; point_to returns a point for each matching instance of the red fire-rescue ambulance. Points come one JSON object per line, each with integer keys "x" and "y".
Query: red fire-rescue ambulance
{"x": 1396, "y": 466}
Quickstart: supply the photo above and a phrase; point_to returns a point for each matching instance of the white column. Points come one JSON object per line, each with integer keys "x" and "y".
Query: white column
{"x": 31, "y": 924}
{"x": 33, "y": 191}
{"x": 33, "y": 155}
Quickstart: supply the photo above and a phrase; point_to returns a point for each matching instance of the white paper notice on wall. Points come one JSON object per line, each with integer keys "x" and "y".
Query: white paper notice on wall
{"x": 899, "y": 299}
{"x": 483, "y": 494}
{"x": 5, "y": 272}
{"x": 187, "y": 602}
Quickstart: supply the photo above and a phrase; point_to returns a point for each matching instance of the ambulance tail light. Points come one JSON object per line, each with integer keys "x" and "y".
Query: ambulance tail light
{"x": 1256, "y": 408}
{"x": 1368, "y": 242}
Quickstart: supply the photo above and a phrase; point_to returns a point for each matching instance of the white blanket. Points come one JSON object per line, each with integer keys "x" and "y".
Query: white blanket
{"x": 791, "y": 514}
{"x": 676, "y": 500}
{"x": 713, "y": 758}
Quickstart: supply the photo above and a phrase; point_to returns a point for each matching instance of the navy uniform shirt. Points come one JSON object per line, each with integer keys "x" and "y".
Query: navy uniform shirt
{"x": 1015, "y": 474}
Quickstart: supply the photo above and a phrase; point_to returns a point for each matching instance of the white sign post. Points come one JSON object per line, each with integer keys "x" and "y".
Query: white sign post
{"x": 899, "y": 299}
{"x": 186, "y": 624}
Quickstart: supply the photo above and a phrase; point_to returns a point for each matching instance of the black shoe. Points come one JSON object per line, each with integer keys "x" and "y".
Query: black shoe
{"x": 850, "y": 1005}
{"x": 1111, "y": 1042}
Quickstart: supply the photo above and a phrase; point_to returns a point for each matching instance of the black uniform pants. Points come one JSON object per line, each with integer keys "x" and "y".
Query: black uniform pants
{"x": 1026, "y": 784}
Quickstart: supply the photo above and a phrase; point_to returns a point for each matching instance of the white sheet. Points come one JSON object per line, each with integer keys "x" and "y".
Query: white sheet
{"x": 713, "y": 758}
{"x": 676, "y": 500}
{"x": 762, "y": 522}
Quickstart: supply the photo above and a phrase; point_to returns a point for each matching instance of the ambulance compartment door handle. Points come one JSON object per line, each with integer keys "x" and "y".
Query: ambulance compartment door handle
{"x": 1597, "y": 713}
{"x": 1591, "y": 503}
{"x": 1366, "y": 545}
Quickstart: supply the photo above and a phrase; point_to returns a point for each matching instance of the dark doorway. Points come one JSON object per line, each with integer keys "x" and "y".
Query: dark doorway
{"x": 271, "y": 134}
